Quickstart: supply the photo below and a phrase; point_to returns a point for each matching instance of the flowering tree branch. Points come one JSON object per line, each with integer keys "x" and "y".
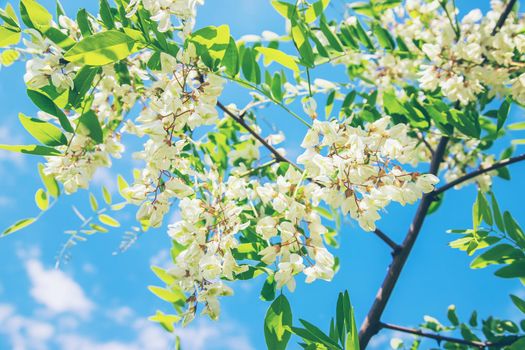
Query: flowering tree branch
{"x": 441, "y": 338}
{"x": 478, "y": 172}
{"x": 372, "y": 323}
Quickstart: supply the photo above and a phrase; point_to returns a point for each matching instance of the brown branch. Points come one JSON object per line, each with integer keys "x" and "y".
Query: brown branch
{"x": 478, "y": 172}
{"x": 504, "y": 16}
{"x": 440, "y": 338}
{"x": 384, "y": 237}
{"x": 239, "y": 119}
{"x": 372, "y": 323}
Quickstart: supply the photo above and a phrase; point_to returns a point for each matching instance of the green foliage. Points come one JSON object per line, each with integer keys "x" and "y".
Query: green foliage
{"x": 343, "y": 333}
{"x": 278, "y": 324}
{"x": 102, "y": 48}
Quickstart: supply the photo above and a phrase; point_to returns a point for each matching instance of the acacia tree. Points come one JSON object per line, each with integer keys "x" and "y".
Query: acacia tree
{"x": 426, "y": 97}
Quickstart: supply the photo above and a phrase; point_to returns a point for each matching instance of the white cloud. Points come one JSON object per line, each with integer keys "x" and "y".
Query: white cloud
{"x": 104, "y": 177}
{"x": 57, "y": 291}
{"x": 22, "y": 332}
{"x": 121, "y": 315}
{"x": 205, "y": 335}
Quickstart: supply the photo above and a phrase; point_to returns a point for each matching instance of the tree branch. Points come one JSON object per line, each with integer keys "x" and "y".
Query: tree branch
{"x": 504, "y": 16}
{"x": 440, "y": 338}
{"x": 372, "y": 323}
{"x": 478, "y": 172}
{"x": 278, "y": 156}
{"x": 384, "y": 237}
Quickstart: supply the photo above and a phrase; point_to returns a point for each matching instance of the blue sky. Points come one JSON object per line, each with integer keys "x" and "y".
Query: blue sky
{"x": 100, "y": 300}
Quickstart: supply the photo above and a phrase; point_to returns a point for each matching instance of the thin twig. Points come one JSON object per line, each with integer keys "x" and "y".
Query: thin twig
{"x": 504, "y": 16}
{"x": 440, "y": 338}
{"x": 478, "y": 172}
{"x": 278, "y": 156}
{"x": 384, "y": 237}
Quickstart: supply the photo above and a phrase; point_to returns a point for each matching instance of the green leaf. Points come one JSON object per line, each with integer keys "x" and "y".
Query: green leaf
{"x": 17, "y": 226}
{"x": 106, "y": 15}
{"x": 231, "y": 59}
{"x": 274, "y": 55}
{"x": 334, "y": 42}
{"x": 106, "y": 195}
{"x": 518, "y": 344}
{"x": 514, "y": 270}
{"x": 319, "y": 335}
{"x": 250, "y": 68}
{"x": 172, "y": 296}
{"x": 9, "y": 37}
{"x": 93, "y": 202}
{"x": 35, "y": 15}
{"x": 47, "y": 105}
{"x": 315, "y": 10}
{"x": 83, "y": 23}
{"x": 514, "y": 230}
{"x": 163, "y": 275}
{"x": 49, "y": 182}
{"x": 108, "y": 220}
{"x": 498, "y": 218}
{"x": 43, "y": 131}
{"x": 520, "y": 303}
{"x": 268, "y": 289}
{"x": 10, "y": 18}
{"x": 499, "y": 254}
{"x": 452, "y": 316}
{"x": 90, "y": 123}
{"x": 31, "y": 149}
{"x": 166, "y": 321}
{"x": 102, "y": 48}
{"x": 82, "y": 82}
{"x": 516, "y": 126}
{"x": 352, "y": 337}
{"x": 300, "y": 39}
{"x": 383, "y": 37}
{"x": 41, "y": 199}
{"x": 8, "y": 57}
{"x": 503, "y": 113}
{"x": 277, "y": 324}
{"x": 214, "y": 39}
{"x": 122, "y": 185}
{"x": 484, "y": 208}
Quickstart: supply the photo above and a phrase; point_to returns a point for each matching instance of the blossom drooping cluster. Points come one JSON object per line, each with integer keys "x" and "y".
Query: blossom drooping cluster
{"x": 179, "y": 100}
{"x": 460, "y": 57}
{"x": 162, "y": 12}
{"x": 81, "y": 158}
{"x": 47, "y": 65}
{"x": 228, "y": 223}
{"x": 359, "y": 169}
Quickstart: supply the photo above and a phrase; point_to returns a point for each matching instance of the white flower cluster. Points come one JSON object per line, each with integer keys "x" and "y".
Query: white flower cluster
{"x": 214, "y": 222}
{"x": 162, "y": 10}
{"x": 467, "y": 58}
{"x": 47, "y": 64}
{"x": 82, "y": 157}
{"x": 461, "y": 60}
{"x": 179, "y": 100}
{"x": 358, "y": 169}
